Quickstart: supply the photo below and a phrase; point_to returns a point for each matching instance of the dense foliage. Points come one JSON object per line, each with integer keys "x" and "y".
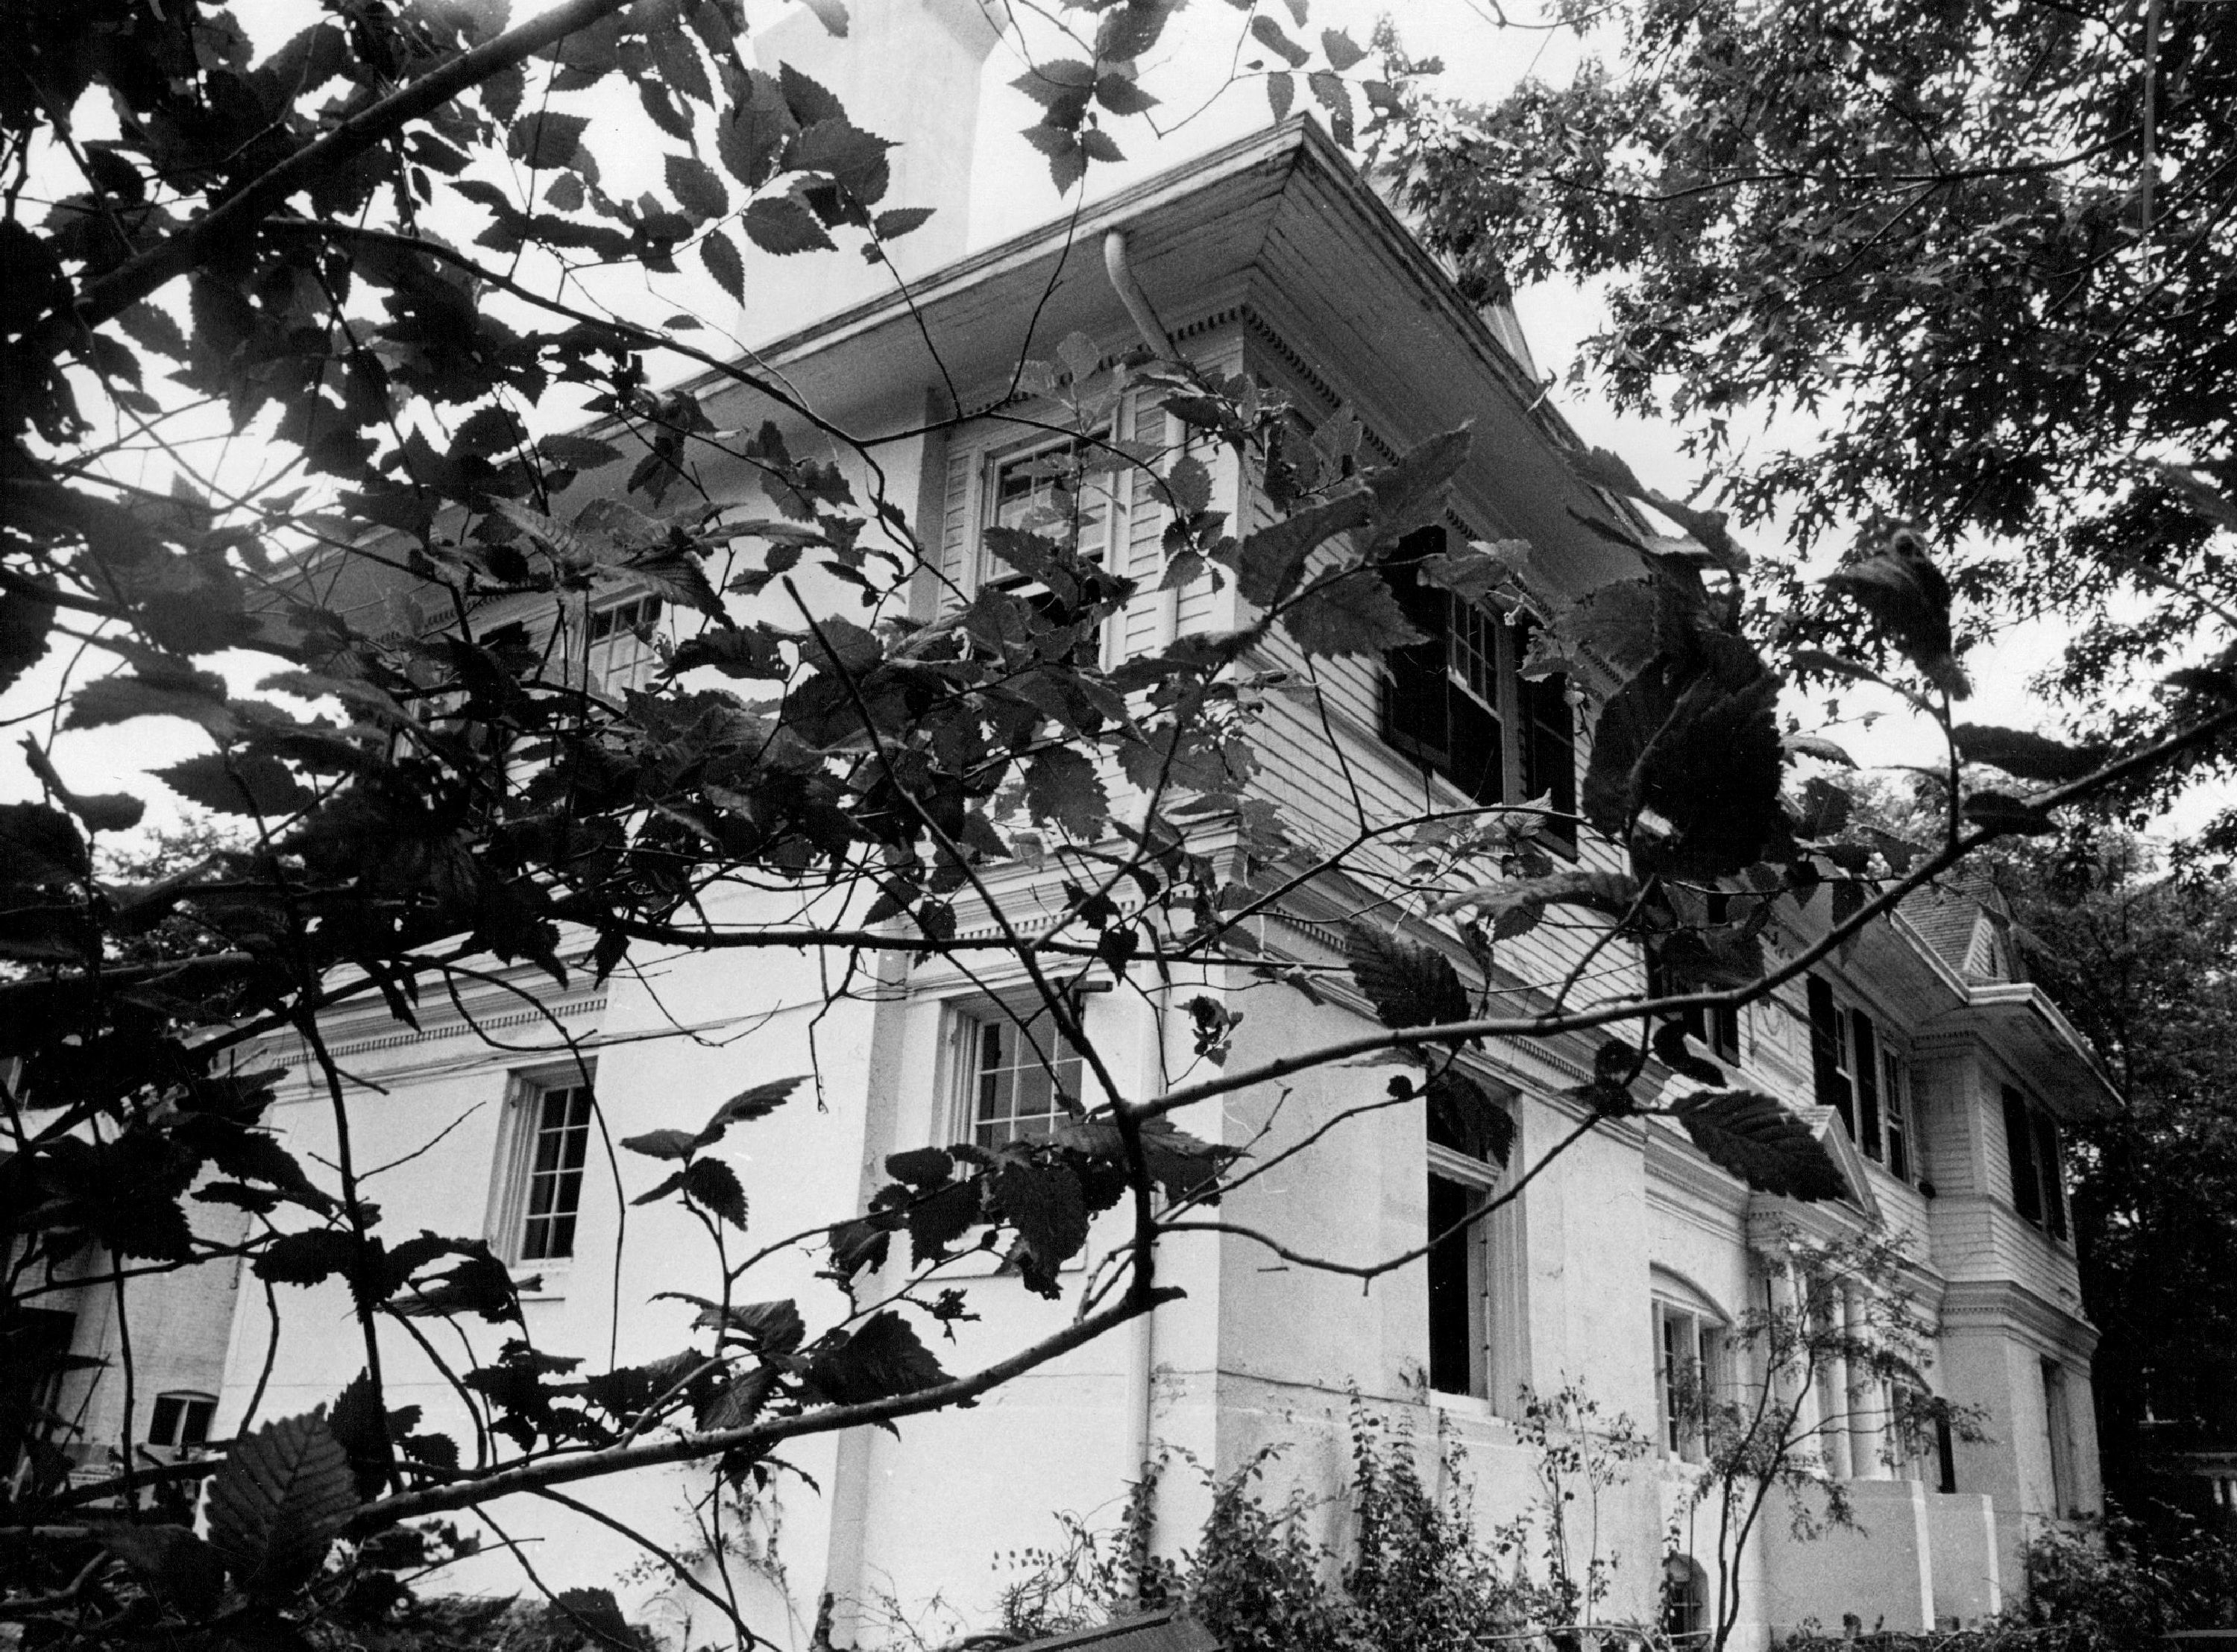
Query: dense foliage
{"x": 1969, "y": 264}
{"x": 2140, "y": 958}
{"x": 249, "y": 241}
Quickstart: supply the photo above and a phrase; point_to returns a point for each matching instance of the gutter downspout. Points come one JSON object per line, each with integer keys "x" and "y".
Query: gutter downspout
{"x": 1130, "y": 295}
{"x": 1144, "y": 317}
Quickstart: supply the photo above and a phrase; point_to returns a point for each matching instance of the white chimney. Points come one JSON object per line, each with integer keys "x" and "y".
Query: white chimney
{"x": 907, "y": 71}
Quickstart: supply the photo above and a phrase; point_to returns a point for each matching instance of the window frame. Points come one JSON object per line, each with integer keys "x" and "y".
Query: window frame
{"x": 195, "y": 1410}
{"x": 2034, "y": 1159}
{"x": 988, "y": 570}
{"x": 968, "y": 1023}
{"x": 1853, "y": 1062}
{"x": 1681, "y": 1432}
{"x": 506, "y": 1227}
{"x": 1495, "y": 1316}
{"x": 1516, "y": 712}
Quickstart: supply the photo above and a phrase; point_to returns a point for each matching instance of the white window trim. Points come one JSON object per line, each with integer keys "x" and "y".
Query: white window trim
{"x": 507, "y": 1211}
{"x": 1499, "y": 1349}
{"x": 958, "y": 1079}
{"x": 1705, "y": 1330}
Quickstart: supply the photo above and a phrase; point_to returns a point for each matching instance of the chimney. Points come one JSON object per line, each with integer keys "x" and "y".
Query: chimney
{"x": 907, "y": 71}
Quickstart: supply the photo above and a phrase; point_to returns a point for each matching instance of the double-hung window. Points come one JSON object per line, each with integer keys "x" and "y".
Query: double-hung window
{"x": 620, "y": 651}
{"x": 1716, "y": 1027}
{"x": 1861, "y": 1077}
{"x": 1019, "y": 1079}
{"x": 1057, "y": 491}
{"x": 540, "y": 1195}
{"x": 1688, "y": 1357}
{"x": 2038, "y": 1161}
{"x": 1457, "y": 702}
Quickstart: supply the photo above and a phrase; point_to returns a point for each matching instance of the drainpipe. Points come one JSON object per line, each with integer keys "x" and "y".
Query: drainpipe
{"x": 1154, "y": 335}
{"x": 1130, "y": 295}
{"x": 1141, "y": 1337}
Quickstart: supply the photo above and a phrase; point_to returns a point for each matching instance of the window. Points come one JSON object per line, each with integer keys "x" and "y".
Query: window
{"x": 1019, "y": 1082}
{"x": 1716, "y": 1028}
{"x": 1860, "y": 1078}
{"x": 2038, "y": 1164}
{"x": 621, "y": 653}
{"x": 1457, "y": 703}
{"x": 1475, "y": 1317}
{"x": 1688, "y": 1349}
{"x": 1895, "y": 1099}
{"x": 541, "y": 1195}
{"x": 181, "y": 1420}
{"x": 1684, "y": 1597}
{"x": 1047, "y": 492}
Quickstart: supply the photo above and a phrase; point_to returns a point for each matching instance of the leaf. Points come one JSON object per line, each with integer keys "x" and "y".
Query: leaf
{"x": 832, "y": 14}
{"x": 1268, "y": 33}
{"x": 1477, "y": 569}
{"x": 897, "y": 221}
{"x": 663, "y": 1144}
{"x": 938, "y": 1216}
{"x": 747, "y": 1105}
{"x": 41, "y": 846}
{"x": 1123, "y": 95}
{"x": 242, "y": 783}
{"x": 1281, "y": 93}
{"x": 307, "y": 1258}
{"x": 479, "y": 1283}
{"x": 198, "y": 696}
{"x": 1062, "y": 785}
{"x": 577, "y": 452}
{"x": 285, "y": 1493}
{"x": 2025, "y": 755}
{"x": 1816, "y": 745}
{"x": 1763, "y": 1143}
{"x": 1337, "y": 47}
{"x": 696, "y": 187}
{"x": 1409, "y": 985}
{"x": 1189, "y": 483}
{"x": 1470, "y": 1118}
{"x": 712, "y": 1183}
{"x": 751, "y": 133}
{"x": 1685, "y": 761}
{"x": 2000, "y": 811}
{"x": 1611, "y": 892}
{"x": 177, "y": 1567}
{"x": 1357, "y": 614}
{"x": 1045, "y": 1203}
{"x": 1906, "y": 594}
{"x": 922, "y": 1166}
{"x": 1825, "y": 811}
{"x": 24, "y": 622}
{"x": 881, "y": 1360}
{"x": 1671, "y": 1047}
{"x": 545, "y": 140}
{"x": 781, "y": 225}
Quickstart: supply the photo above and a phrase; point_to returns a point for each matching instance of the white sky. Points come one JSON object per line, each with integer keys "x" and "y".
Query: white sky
{"x": 1011, "y": 191}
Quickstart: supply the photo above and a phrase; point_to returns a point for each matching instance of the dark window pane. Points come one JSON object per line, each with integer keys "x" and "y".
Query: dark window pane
{"x": 1866, "y": 1048}
{"x": 1452, "y": 1305}
{"x": 1825, "y": 1053}
{"x": 163, "y": 1426}
{"x": 197, "y": 1424}
{"x": 2049, "y": 1166}
{"x": 2019, "y": 1144}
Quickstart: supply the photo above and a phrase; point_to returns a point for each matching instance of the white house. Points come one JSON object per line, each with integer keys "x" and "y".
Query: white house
{"x": 1939, "y": 1077}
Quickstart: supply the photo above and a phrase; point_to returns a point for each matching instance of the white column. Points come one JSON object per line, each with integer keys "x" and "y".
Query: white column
{"x": 1867, "y": 1399}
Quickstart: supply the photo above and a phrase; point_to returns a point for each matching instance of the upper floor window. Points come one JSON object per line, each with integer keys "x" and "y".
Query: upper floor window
{"x": 1018, "y": 1081}
{"x": 619, "y": 652}
{"x": 1458, "y": 703}
{"x": 1716, "y": 1027}
{"x": 2038, "y": 1161}
{"x": 1053, "y": 490}
{"x": 181, "y": 1420}
{"x": 1860, "y": 1077}
{"x": 539, "y": 1192}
